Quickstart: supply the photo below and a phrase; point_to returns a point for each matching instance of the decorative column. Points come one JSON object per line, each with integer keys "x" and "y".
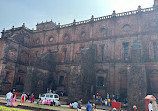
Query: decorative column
{"x": 136, "y": 78}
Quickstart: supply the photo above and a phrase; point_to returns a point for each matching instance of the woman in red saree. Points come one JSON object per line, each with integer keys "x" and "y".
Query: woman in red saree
{"x": 23, "y": 97}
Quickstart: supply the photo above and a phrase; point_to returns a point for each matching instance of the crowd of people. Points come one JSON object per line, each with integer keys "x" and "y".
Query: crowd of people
{"x": 107, "y": 100}
{"x": 11, "y": 97}
{"x": 47, "y": 102}
{"x": 77, "y": 105}
{"x": 98, "y": 100}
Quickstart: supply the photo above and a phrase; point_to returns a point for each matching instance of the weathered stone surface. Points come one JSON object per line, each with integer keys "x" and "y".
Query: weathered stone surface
{"x": 84, "y": 58}
{"x": 137, "y": 86}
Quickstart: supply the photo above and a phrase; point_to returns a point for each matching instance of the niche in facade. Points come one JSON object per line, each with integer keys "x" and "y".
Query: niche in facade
{"x": 38, "y": 41}
{"x": 103, "y": 31}
{"x": 51, "y": 38}
{"x": 83, "y": 34}
{"x": 66, "y": 36}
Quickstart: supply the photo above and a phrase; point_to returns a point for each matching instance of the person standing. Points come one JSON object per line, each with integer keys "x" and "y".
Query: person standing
{"x": 16, "y": 95}
{"x": 8, "y": 97}
{"x": 32, "y": 98}
{"x": 75, "y": 105}
{"x": 134, "y": 107}
{"x": 27, "y": 96}
{"x": 114, "y": 109}
{"x": 109, "y": 102}
{"x": 23, "y": 97}
{"x": 13, "y": 97}
{"x": 79, "y": 105}
{"x": 89, "y": 106}
{"x": 150, "y": 106}
{"x": 94, "y": 107}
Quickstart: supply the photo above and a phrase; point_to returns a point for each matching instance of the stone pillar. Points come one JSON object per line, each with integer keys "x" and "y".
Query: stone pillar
{"x": 88, "y": 73}
{"x": 136, "y": 78}
{"x": 136, "y": 86}
{"x": 2, "y": 75}
{"x": 28, "y": 80}
{"x": 74, "y": 84}
{"x": 82, "y": 79}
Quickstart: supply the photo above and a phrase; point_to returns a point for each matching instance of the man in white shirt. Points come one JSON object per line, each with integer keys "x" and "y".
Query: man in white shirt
{"x": 150, "y": 106}
{"x": 8, "y": 97}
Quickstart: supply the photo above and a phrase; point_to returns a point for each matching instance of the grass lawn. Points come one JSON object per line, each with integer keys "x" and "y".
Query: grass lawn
{"x": 40, "y": 106}
{"x": 2, "y": 108}
{"x": 54, "y": 107}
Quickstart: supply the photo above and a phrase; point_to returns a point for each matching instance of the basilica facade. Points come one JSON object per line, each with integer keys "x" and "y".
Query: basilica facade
{"x": 115, "y": 54}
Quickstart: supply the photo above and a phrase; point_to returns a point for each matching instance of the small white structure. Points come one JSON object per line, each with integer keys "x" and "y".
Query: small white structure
{"x": 50, "y": 96}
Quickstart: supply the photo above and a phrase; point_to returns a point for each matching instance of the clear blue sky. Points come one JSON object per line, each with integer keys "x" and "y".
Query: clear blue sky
{"x": 17, "y": 12}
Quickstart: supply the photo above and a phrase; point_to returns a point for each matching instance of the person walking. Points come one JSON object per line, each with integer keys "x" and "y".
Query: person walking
{"x": 150, "y": 106}
{"x": 32, "y": 98}
{"x": 89, "y": 106}
{"x": 27, "y": 96}
{"x": 79, "y": 105}
{"x": 8, "y": 97}
{"x": 13, "y": 98}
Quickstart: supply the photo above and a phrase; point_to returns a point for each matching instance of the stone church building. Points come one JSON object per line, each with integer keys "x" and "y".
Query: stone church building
{"x": 115, "y": 54}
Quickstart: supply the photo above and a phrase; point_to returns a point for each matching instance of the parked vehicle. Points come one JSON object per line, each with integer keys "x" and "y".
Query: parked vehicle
{"x": 50, "y": 96}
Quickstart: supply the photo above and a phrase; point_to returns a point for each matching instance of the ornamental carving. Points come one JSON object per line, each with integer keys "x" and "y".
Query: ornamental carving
{"x": 12, "y": 54}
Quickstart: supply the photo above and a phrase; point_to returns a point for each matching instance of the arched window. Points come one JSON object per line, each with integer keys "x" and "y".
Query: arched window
{"x": 83, "y": 34}
{"x": 61, "y": 80}
{"x": 125, "y": 46}
{"x": 100, "y": 81}
{"x": 66, "y": 36}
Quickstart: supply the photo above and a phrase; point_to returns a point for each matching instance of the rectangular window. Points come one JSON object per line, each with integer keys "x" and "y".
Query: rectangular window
{"x": 100, "y": 81}
{"x": 155, "y": 50}
{"x": 19, "y": 80}
{"x": 65, "y": 53}
{"x": 125, "y": 45}
{"x": 102, "y": 53}
{"x": 96, "y": 53}
{"x": 61, "y": 80}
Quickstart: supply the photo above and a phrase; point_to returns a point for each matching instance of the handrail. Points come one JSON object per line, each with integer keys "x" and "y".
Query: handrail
{"x": 110, "y": 16}
{"x": 139, "y": 10}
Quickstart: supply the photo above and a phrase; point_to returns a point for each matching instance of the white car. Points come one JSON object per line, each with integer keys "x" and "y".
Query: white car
{"x": 50, "y": 96}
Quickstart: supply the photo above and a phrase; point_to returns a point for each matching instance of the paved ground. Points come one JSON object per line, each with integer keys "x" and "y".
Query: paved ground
{"x": 3, "y": 100}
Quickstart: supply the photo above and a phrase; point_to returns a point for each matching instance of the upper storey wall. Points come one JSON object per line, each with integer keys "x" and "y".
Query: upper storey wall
{"x": 2, "y": 45}
{"x": 104, "y": 27}
{"x": 45, "y": 26}
{"x": 16, "y": 45}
